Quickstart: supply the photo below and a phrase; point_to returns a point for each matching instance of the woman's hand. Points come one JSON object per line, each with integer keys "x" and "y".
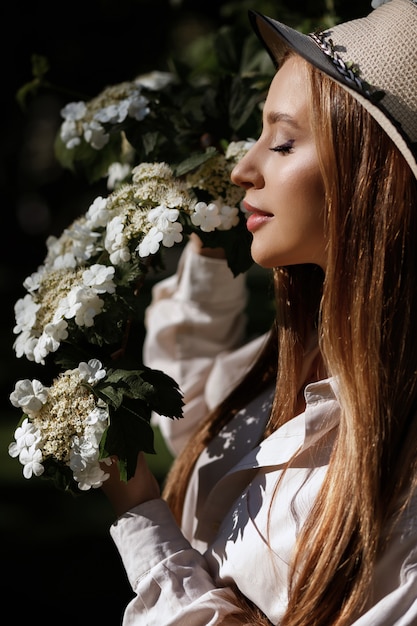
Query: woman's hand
{"x": 123, "y": 496}
{"x": 213, "y": 253}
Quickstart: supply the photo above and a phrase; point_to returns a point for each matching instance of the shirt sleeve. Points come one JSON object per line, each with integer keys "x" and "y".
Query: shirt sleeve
{"x": 195, "y": 319}
{"x": 170, "y": 579}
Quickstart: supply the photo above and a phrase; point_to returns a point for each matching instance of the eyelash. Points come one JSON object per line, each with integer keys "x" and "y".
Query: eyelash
{"x": 285, "y": 148}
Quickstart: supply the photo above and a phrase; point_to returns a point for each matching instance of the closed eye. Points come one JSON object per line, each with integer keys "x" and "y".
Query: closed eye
{"x": 284, "y": 148}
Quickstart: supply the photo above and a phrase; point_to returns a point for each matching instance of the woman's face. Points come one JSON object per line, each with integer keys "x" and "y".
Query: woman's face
{"x": 281, "y": 176}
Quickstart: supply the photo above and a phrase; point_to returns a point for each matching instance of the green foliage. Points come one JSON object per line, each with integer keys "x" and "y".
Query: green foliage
{"x": 133, "y": 395}
{"x": 83, "y": 159}
{"x": 214, "y": 97}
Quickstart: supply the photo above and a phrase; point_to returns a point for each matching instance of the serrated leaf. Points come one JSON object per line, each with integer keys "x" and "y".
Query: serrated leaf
{"x": 111, "y": 395}
{"x": 154, "y": 388}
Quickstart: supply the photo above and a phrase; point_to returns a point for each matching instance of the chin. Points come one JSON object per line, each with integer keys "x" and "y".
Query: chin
{"x": 263, "y": 259}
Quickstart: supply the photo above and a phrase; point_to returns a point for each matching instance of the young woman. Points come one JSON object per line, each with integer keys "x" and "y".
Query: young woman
{"x": 294, "y": 501}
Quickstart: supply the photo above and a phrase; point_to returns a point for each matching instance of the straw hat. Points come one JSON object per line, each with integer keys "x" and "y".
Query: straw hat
{"x": 374, "y": 58}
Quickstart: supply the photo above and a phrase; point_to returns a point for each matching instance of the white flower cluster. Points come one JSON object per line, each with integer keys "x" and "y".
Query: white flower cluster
{"x": 92, "y": 270}
{"x": 65, "y": 421}
{"x": 87, "y": 120}
{"x": 133, "y": 221}
{"x": 174, "y": 195}
{"x": 57, "y": 293}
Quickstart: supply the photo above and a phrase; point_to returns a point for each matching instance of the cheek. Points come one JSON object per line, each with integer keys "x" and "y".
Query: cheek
{"x": 310, "y": 193}
{"x": 309, "y": 176}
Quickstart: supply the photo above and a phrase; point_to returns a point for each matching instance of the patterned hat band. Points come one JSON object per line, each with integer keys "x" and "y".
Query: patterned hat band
{"x": 374, "y": 58}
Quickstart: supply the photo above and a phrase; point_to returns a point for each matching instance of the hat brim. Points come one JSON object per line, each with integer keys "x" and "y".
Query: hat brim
{"x": 277, "y": 38}
{"x": 267, "y": 30}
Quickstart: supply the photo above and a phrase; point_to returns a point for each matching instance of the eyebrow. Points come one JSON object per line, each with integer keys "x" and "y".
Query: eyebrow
{"x": 274, "y": 117}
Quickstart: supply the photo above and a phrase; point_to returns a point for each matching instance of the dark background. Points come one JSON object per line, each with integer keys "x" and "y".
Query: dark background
{"x": 59, "y": 563}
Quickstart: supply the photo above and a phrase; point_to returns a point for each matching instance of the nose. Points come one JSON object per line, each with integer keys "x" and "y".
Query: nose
{"x": 246, "y": 173}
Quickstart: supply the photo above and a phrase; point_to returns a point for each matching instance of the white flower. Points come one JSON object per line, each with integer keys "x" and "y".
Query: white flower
{"x": 25, "y": 435}
{"x": 161, "y": 216}
{"x": 55, "y": 248}
{"x": 152, "y": 171}
{"x": 138, "y": 108}
{"x": 31, "y": 460}
{"x": 25, "y": 345}
{"x": 97, "y": 214}
{"x": 69, "y": 131}
{"x": 237, "y": 149}
{"x": 92, "y": 371}
{"x": 229, "y": 217}
{"x": 29, "y": 395}
{"x": 83, "y": 240}
{"x": 206, "y": 216}
{"x": 155, "y": 80}
{"x": 65, "y": 261}
{"x": 92, "y": 476}
{"x": 83, "y": 304}
{"x": 120, "y": 255}
{"x": 117, "y": 173}
{"x": 77, "y": 243}
{"x": 49, "y": 341}
{"x": 74, "y": 111}
{"x": 84, "y": 453}
{"x": 32, "y": 282}
{"x": 165, "y": 229}
{"x": 113, "y": 113}
{"x": 95, "y": 135}
{"x": 114, "y": 241}
{"x": 98, "y": 419}
{"x": 150, "y": 243}
{"x": 69, "y": 134}
{"x": 114, "y": 232}
{"x": 25, "y": 311}
{"x": 100, "y": 278}
{"x": 172, "y": 235}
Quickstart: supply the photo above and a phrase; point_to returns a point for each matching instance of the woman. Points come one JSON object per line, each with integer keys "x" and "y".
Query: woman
{"x": 294, "y": 502}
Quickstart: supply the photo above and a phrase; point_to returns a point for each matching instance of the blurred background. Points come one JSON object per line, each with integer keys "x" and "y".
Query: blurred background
{"x": 59, "y": 563}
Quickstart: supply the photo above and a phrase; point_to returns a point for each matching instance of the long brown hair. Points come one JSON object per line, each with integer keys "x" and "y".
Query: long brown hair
{"x": 364, "y": 313}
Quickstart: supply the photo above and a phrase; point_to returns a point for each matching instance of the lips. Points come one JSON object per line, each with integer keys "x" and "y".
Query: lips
{"x": 256, "y": 217}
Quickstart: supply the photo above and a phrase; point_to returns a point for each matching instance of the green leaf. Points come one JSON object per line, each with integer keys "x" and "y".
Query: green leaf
{"x": 227, "y": 51}
{"x": 129, "y": 433}
{"x": 84, "y": 159}
{"x": 158, "y": 391}
{"x": 112, "y": 396}
{"x": 60, "y": 475}
{"x": 243, "y": 102}
{"x": 194, "y": 161}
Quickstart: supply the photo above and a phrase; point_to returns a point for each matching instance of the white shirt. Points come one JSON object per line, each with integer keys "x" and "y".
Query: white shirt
{"x": 182, "y": 577}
